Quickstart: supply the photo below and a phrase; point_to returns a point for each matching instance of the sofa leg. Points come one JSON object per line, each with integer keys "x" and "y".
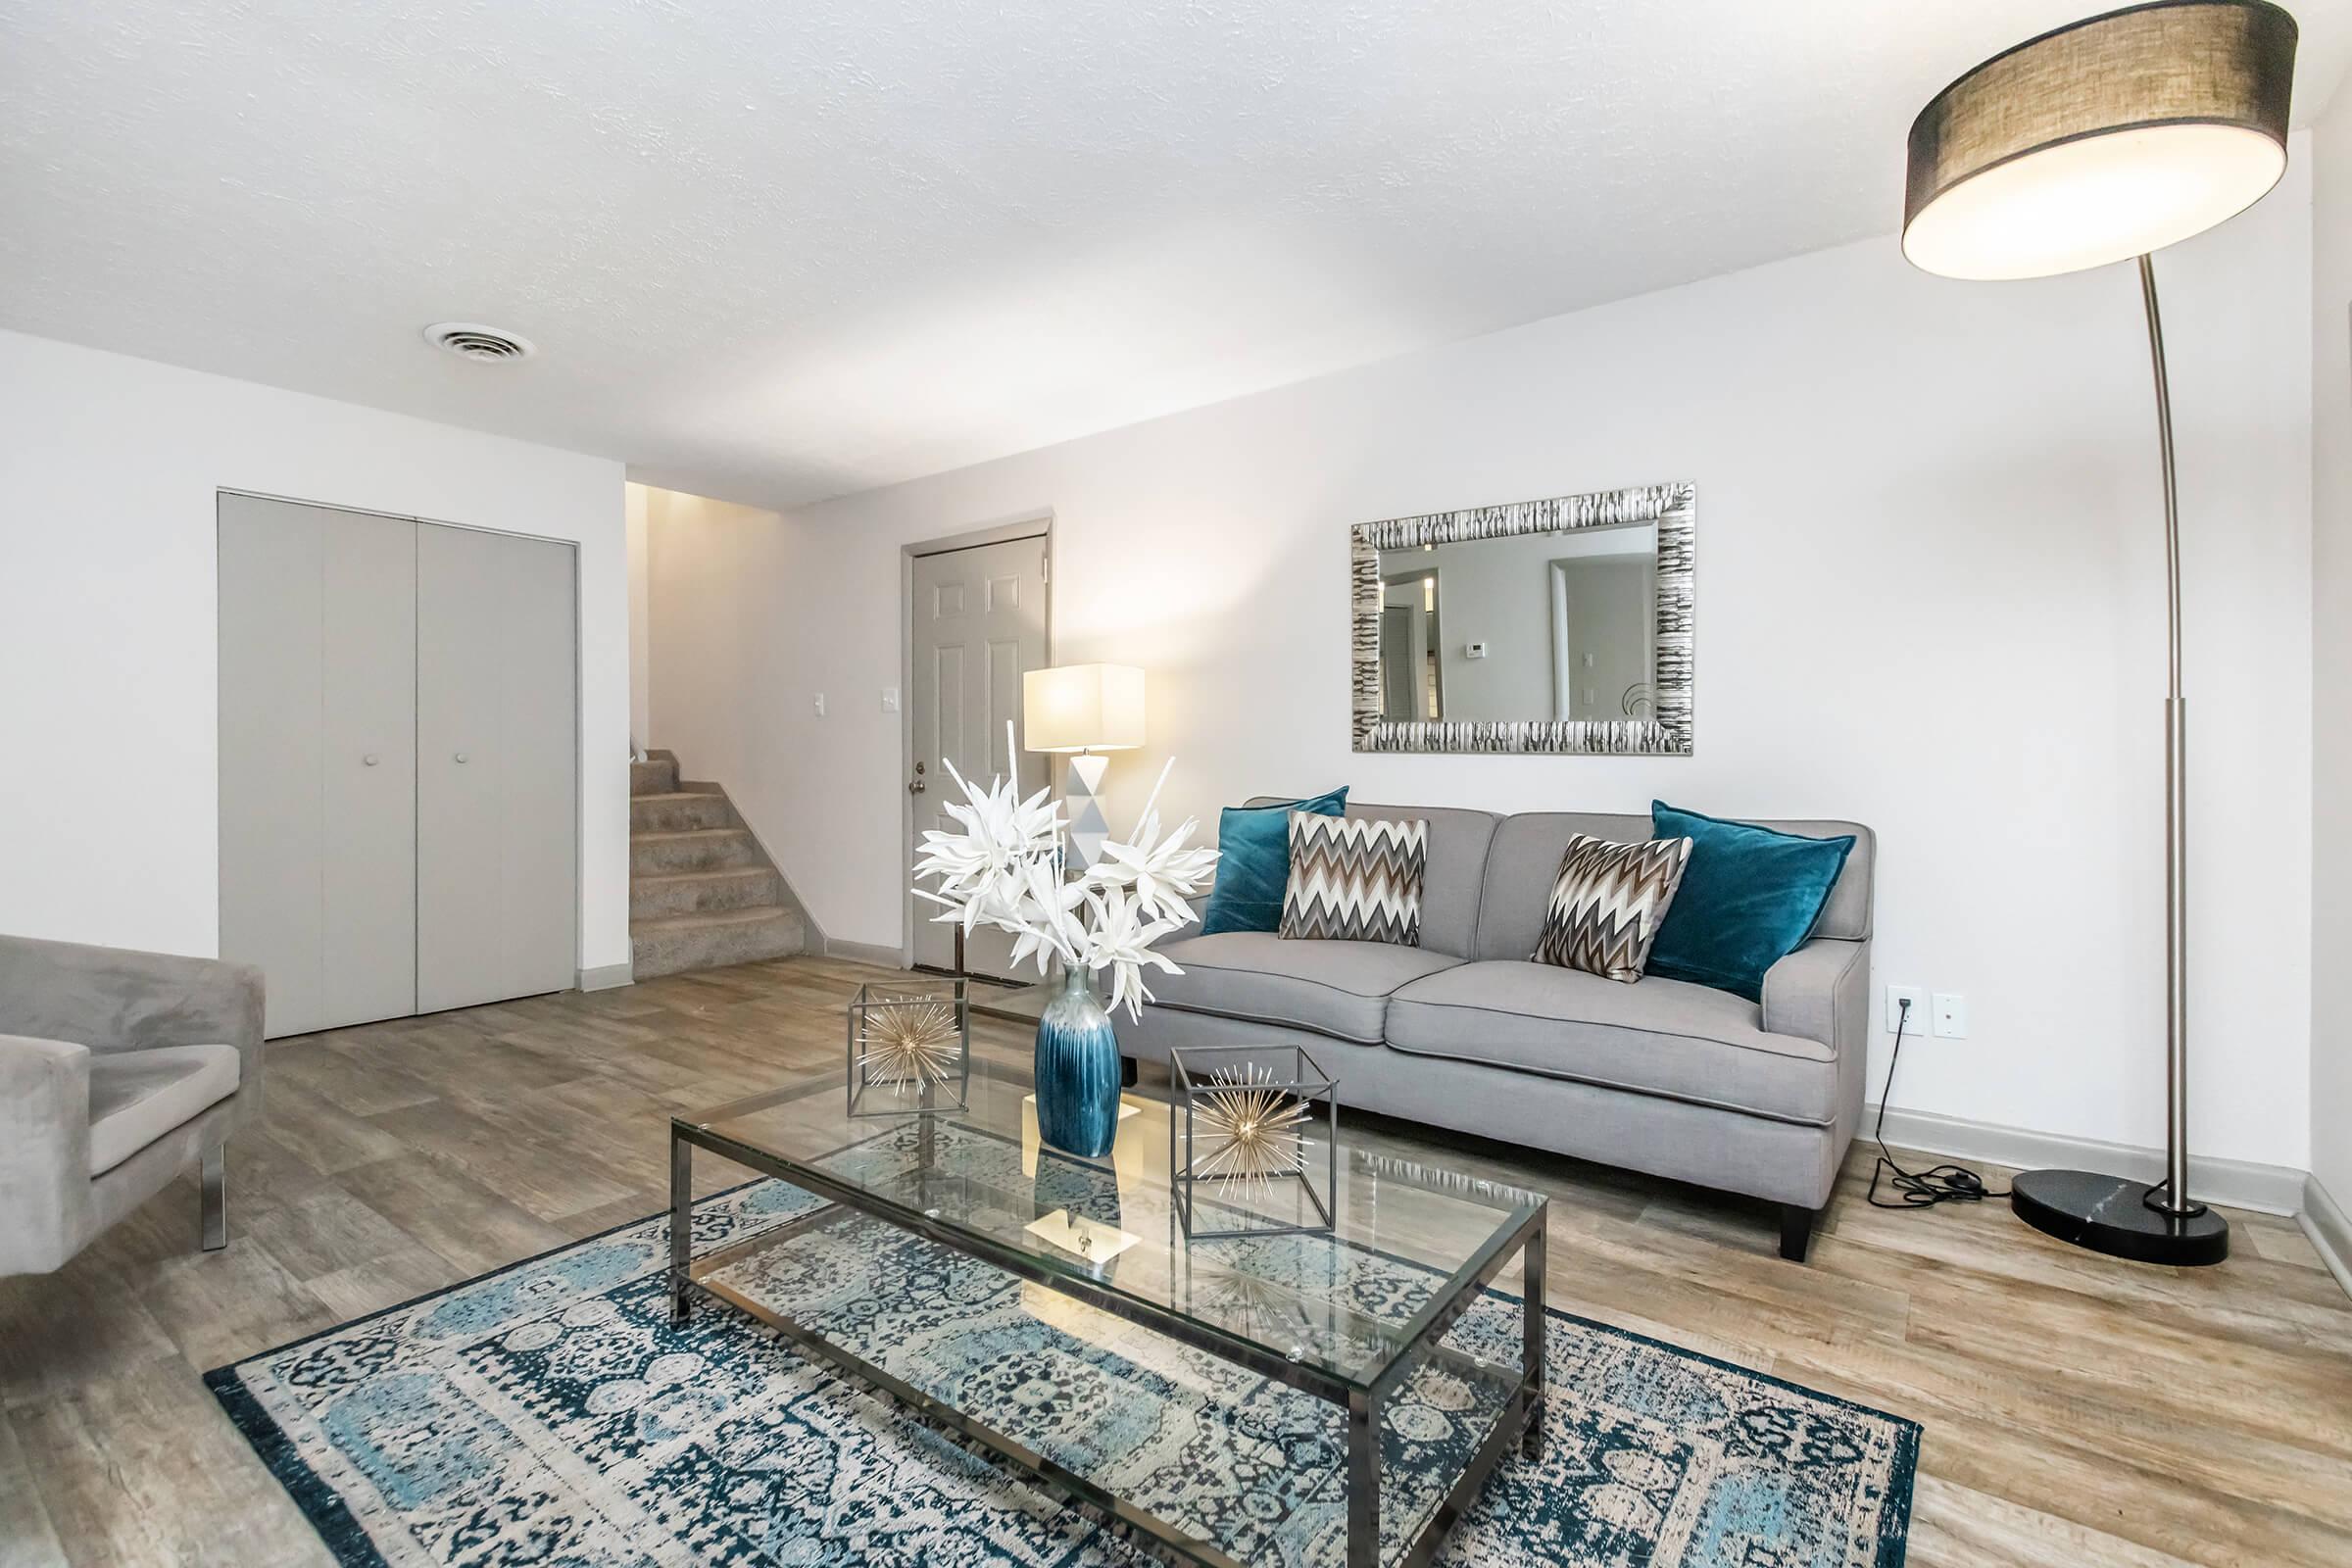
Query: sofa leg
{"x": 1127, "y": 1072}
{"x": 1796, "y": 1231}
{"x": 215, "y": 1216}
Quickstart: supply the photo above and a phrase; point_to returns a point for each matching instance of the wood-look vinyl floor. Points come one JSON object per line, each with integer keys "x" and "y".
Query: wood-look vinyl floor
{"x": 2079, "y": 1413}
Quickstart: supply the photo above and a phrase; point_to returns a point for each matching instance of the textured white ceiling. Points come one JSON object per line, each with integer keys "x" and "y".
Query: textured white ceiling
{"x": 774, "y": 250}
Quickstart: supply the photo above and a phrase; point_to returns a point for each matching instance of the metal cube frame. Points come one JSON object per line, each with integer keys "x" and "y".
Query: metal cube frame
{"x": 1307, "y": 1082}
{"x": 870, "y": 1096}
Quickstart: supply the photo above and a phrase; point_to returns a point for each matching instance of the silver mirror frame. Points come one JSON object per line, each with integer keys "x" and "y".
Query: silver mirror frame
{"x": 1666, "y": 733}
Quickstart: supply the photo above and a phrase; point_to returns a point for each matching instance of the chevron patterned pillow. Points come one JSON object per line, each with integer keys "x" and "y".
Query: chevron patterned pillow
{"x": 1606, "y": 903}
{"x": 1354, "y": 879}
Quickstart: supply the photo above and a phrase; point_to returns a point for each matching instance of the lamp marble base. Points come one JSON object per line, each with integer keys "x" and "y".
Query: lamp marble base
{"x": 2110, "y": 1215}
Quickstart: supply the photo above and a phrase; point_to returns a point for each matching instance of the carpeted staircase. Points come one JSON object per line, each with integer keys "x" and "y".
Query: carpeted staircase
{"x": 702, "y": 891}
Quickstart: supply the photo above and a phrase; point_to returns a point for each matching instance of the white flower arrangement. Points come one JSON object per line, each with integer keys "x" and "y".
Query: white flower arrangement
{"x": 1004, "y": 870}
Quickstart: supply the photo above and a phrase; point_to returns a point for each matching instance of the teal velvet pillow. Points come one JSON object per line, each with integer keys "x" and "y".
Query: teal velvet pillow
{"x": 1253, "y": 862}
{"x": 1748, "y": 899}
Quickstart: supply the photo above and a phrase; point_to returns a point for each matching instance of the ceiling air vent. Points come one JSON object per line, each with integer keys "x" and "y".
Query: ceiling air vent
{"x": 473, "y": 341}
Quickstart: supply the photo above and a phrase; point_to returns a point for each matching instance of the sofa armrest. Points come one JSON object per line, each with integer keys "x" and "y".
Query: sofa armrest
{"x": 1820, "y": 992}
{"x": 44, "y": 1150}
{"x": 115, "y": 998}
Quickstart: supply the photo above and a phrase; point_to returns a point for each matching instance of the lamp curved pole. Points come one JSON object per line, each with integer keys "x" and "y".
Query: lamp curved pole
{"x": 2172, "y": 1196}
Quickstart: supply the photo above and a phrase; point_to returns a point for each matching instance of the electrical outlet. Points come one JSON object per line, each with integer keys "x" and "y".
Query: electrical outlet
{"x": 1951, "y": 1009}
{"x": 1917, "y": 996}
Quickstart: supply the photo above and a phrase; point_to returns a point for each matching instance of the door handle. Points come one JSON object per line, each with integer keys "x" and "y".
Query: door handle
{"x": 461, "y": 756}
{"x": 369, "y": 760}
{"x": 918, "y": 787}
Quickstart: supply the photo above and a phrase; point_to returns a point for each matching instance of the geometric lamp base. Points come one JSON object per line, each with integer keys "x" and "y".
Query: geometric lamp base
{"x": 1082, "y": 800}
{"x": 2108, "y": 1214}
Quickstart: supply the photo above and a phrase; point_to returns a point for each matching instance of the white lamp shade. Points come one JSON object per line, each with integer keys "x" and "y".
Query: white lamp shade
{"x": 2101, "y": 141}
{"x": 1083, "y": 707}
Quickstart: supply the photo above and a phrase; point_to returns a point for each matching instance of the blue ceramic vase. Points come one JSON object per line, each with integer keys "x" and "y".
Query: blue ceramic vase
{"x": 1077, "y": 1070}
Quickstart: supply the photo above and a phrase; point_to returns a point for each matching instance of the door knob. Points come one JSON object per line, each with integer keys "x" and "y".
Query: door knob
{"x": 369, "y": 760}
{"x": 916, "y": 788}
{"x": 461, "y": 756}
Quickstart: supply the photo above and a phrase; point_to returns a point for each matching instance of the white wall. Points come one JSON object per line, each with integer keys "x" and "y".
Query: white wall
{"x": 109, "y": 823}
{"x": 2331, "y": 647}
{"x": 641, "y": 616}
{"x": 1930, "y": 580}
{"x": 718, "y": 699}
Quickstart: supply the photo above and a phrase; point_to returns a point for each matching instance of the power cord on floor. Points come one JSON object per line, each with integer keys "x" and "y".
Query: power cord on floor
{"x": 1918, "y": 1189}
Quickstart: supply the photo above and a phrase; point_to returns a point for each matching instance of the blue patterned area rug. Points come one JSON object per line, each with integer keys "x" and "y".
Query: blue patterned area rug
{"x": 551, "y": 1414}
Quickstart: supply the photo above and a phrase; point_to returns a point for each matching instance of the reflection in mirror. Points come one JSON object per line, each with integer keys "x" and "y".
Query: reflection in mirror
{"x": 1554, "y": 625}
{"x": 1412, "y": 679}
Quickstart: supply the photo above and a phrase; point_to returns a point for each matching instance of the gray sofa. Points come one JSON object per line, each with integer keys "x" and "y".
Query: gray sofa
{"x": 1463, "y": 1032}
{"x": 117, "y": 1071}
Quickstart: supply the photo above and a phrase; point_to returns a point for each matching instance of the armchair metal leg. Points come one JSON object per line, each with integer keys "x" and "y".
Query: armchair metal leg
{"x": 216, "y": 1199}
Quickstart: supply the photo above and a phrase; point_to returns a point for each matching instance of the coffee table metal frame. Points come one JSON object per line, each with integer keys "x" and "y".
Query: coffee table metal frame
{"x": 1519, "y": 1421}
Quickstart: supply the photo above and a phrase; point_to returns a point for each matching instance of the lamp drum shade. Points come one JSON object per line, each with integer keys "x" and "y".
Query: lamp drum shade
{"x": 2100, "y": 142}
{"x": 1083, "y": 707}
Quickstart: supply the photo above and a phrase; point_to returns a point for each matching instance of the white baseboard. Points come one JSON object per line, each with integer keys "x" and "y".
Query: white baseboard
{"x": 607, "y": 977}
{"x": 863, "y": 952}
{"x": 2232, "y": 1183}
{"x": 2330, "y": 1230}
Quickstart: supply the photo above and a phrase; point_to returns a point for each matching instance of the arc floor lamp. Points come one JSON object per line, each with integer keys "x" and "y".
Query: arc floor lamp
{"x": 2094, "y": 143}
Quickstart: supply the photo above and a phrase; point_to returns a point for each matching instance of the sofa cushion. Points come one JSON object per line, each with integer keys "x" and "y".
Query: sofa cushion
{"x": 1527, "y": 850}
{"x": 1457, "y": 868}
{"x": 1338, "y": 988}
{"x": 1606, "y": 902}
{"x": 1354, "y": 881}
{"x": 1748, "y": 899}
{"x": 1253, "y": 862}
{"x": 138, "y": 1096}
{"x": 1658, "y": 1037}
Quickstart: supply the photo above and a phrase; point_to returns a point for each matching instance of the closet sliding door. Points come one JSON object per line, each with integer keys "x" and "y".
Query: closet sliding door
{"x": 398, "y": 756}
{"x": 496, "y": 723}
{"x": 317, "y": 774}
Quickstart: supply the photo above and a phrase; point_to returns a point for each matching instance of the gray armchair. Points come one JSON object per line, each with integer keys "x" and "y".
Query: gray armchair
{"x": 117, "y": 1071}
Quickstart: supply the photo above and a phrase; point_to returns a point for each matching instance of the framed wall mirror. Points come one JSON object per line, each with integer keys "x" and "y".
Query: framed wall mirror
{"x": 1544, "y": 626}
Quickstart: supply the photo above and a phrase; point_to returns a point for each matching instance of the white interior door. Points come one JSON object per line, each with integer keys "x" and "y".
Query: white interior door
{"x": 495, "y": 759}
{"x": 369, "y": 611}
{"x": 318, "y": 643}
{"x": 979, "y": 622}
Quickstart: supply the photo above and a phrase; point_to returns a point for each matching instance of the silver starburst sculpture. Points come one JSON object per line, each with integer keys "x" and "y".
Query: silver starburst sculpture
{"x": 910, "y": 1041}
{"x": 1248, "y": 1133}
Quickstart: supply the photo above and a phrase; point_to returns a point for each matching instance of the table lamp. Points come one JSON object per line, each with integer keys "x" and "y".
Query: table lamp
{"x": 2098, "y": 142}
{"x": 1084, "y": 711}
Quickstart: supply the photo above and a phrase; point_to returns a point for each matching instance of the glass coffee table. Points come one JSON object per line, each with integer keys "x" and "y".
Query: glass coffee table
{"x": 1273, "y": 1395}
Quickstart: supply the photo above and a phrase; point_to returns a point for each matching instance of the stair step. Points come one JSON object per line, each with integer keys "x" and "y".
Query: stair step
{"x": 702, "y": 891}
{"x": 674, "y": 944}
{"x": 677, "y": 810}
{"x": 698, "y": 892}
{"x": 709, "y": 848}
{"x": 656, "y": 777}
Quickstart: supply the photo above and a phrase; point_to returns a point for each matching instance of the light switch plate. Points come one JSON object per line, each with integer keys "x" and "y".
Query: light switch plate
{"x": 1951, "y": 1016}
{"x": 1917, "y": 996}
{"x": 820, "y": 705}
{"x": 890, "y": 698}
